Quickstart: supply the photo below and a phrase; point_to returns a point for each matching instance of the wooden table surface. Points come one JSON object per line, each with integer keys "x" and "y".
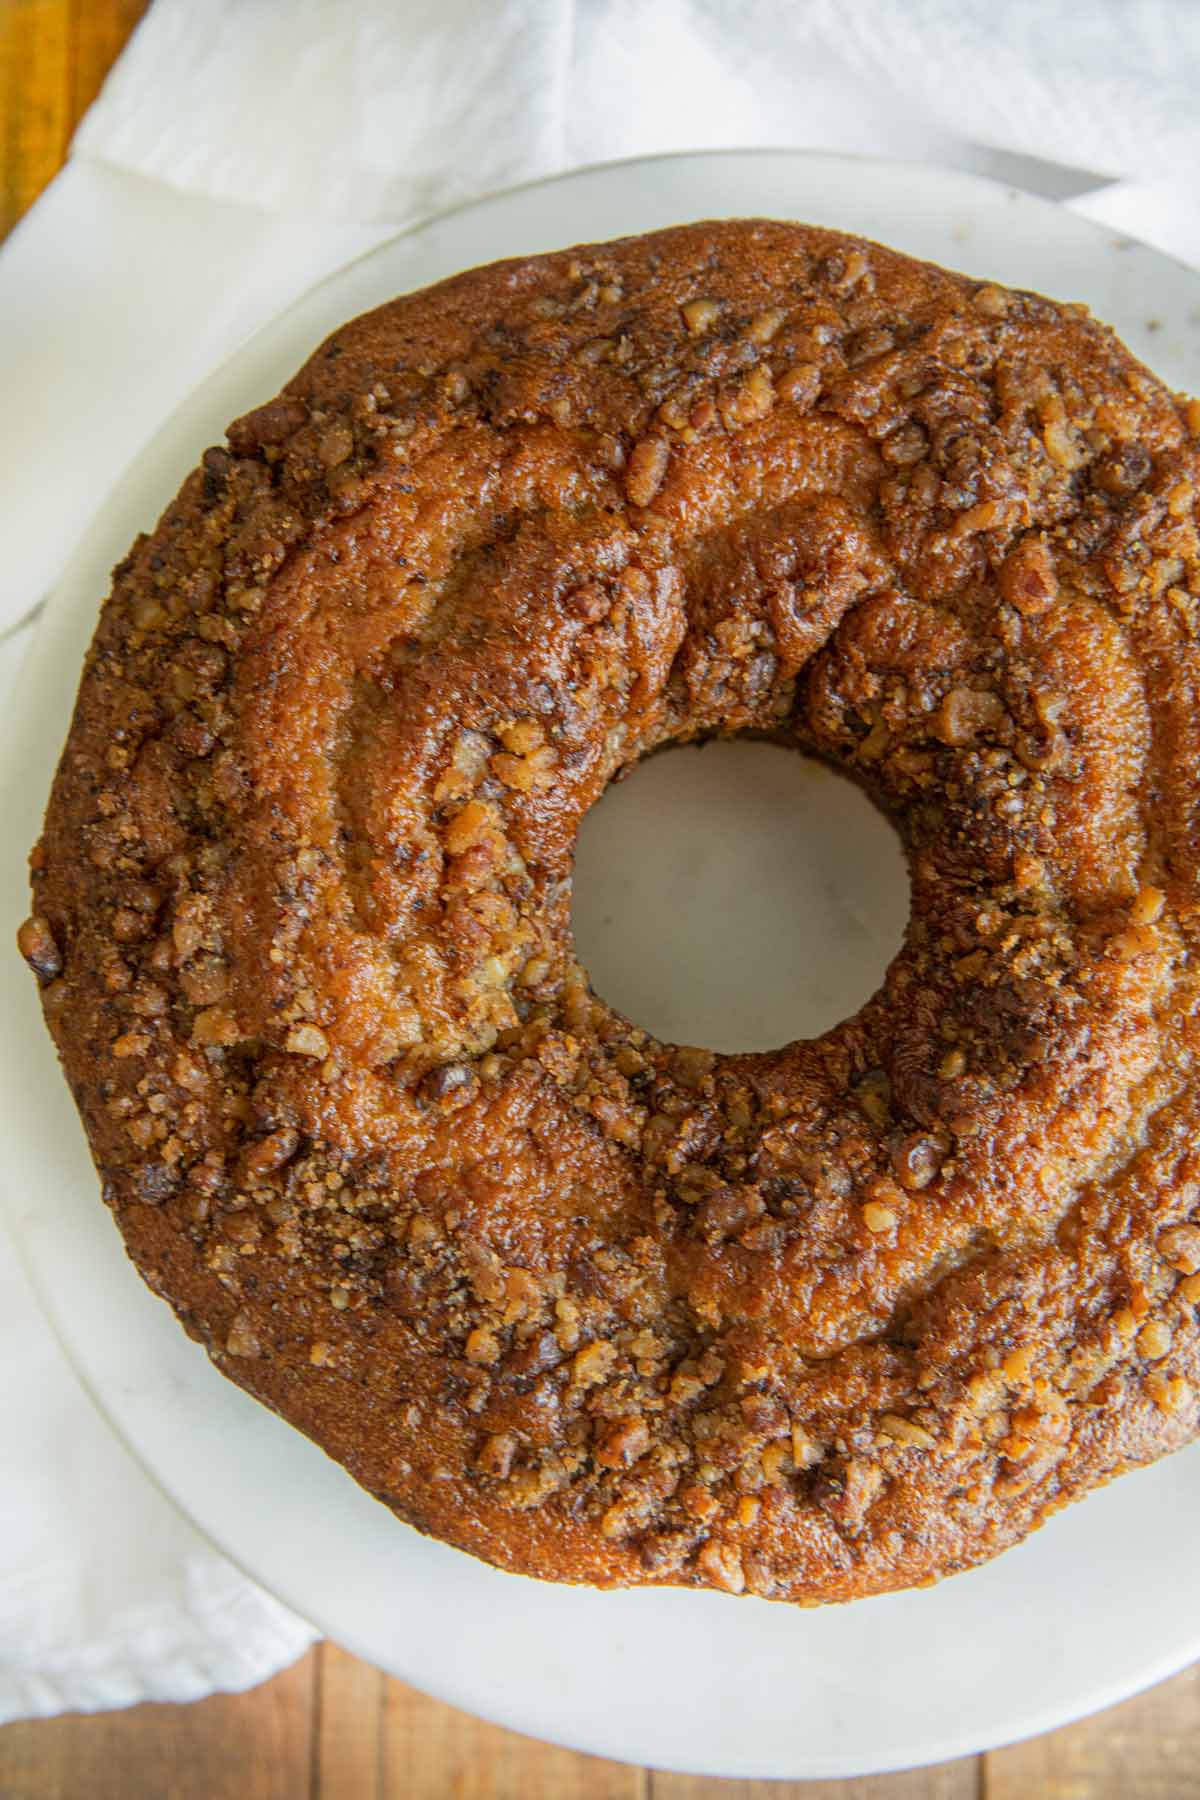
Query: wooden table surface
{"x": 332, "y": 1728}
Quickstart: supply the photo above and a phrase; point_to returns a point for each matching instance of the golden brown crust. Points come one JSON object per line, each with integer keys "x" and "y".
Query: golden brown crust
{"x": 814, "y": 1324}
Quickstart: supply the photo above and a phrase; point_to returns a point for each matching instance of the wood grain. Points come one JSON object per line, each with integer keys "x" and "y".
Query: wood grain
{"x": 54, "y": 55}
{"x": 332, "y": 1728}
{"x": 98, "y": 33}
{"x": 35, "y": 99}
{"x": 254, "y": 1746}
{"x": 949, "y": 1781}
{"x": 349, "y": 1746}
{"x": 431, "y": 1751}
{"x": 1146, "y": 1749}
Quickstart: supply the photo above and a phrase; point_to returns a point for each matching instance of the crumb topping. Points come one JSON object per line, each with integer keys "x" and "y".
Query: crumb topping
{"x": 809, "y": 1324}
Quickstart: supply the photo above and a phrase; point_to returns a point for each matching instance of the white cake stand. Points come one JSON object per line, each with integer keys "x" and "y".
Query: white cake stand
{"x": 1104, "y": 1601}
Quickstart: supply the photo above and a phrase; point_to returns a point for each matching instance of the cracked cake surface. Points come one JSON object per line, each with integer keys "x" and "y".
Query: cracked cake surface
{"x": 811, "y": 1324}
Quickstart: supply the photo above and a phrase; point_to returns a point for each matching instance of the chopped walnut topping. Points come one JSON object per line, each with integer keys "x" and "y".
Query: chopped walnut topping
{"x": 534, "y": 769}
{"x": 991, "y": 301}
{"x": 765, "y": 325}
{"x": 1180, "y": 1244}
{"x": 593, "y": 1364}
{"x": 471, "y": 825}
{"x": 700, "y": 315}
{"x": 215, "y": 1026}
{"x": 482, "y": 1346}
{"x": 916, "y": 1161}
{"x": 36, "y": 943}
{"x": 624, "y": 1444}
{"x": 269, "y": 1153}
{"x": 1154, "y": 1339}
{"x": 967, "y": 714}
{"x": 907, "y": 1431}
{"x": 242, "y": 1339}
{"x": 751, "y": 401}
{"x": 1171, "y": 1394}
{"x": 723, "y": 1566}
{"x": 1147, "y": 906}
{"x": 497, "y": 1455}
{"x": 646, "y": 470}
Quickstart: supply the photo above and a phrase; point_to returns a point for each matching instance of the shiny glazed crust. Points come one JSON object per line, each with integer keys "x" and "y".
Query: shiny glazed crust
{"x": 811, "y": 1324}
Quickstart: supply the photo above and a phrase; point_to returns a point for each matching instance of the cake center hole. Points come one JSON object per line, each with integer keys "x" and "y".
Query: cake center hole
{"x": 737, "y": 896}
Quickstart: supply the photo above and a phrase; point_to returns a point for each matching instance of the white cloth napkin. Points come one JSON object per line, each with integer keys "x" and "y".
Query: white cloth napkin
{"x": 243, "y": 148}
{"x": 107, "y": 1595}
